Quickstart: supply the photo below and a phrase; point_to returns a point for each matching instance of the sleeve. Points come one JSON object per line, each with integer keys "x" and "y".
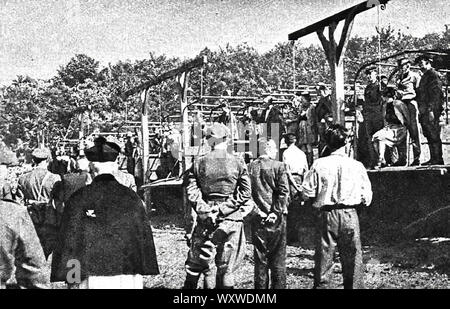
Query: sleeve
{"x": 280, "y": 204}
{"x": 193, "y": 192}
{"x": 366, "y": 187}
{"x": 310, "y": 184}
{"x": 435, "y": 94}
{"x": 242, "y": 194}
{"x": 29, "y": 256}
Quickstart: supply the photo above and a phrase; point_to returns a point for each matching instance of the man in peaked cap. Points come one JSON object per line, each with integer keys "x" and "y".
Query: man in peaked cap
{"x": 36, "y": 190}
{"x": 407, "y": 84}
{"x": 430, "y": 101}
{"x": 7, "y": 158}
{"x": 218, "y": 187}
{"x": 105, "y": 228}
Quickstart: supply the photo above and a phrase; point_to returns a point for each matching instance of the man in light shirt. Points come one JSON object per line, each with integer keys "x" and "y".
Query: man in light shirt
{"x": 297, "y": 165}
{"x": 338, "y": 186}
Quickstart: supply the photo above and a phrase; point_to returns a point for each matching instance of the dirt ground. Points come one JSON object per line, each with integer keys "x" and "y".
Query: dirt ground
{"x": 419, "y": 264}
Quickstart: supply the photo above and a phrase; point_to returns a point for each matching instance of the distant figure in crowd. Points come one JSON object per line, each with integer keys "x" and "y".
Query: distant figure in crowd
{"x": 129, "y": 152}
{"x": 407, "y": 84}
{"x": 270, "y": 191}
{"x": 324, "y": 114}
{"x": 105, "y": 226}
{"x": 372, "y": 112}
{"x": 272, "y": 120}
{"x": 307, "y": 127}
{"x": 338, "y": 186}
{"x": 297, "y": 166}
{"x": 36, "y": 189}
{"x": 218, "y": 186}
{"x": 8, "y": 159}
{"x": 430, "y": 100}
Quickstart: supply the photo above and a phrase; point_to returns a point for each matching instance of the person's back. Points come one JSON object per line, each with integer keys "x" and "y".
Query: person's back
{"x": 110, "y": 221}
{"x": 21, "y": 254}
{"x": 340, "y": 179}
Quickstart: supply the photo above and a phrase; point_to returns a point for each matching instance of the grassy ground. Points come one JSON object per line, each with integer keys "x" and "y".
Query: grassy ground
{"x": 423, "y": 264}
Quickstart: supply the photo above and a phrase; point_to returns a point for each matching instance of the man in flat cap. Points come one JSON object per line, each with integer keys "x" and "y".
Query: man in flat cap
{"x": 37, "y": 190}
{"x": 21, "y": 254}
{"x": 372, "y": 112}
{"x": 430, "y": 99}
{"x": 407, "y": 84}
{"x": 217, "y": 186}
{"x": 105, "y": 231}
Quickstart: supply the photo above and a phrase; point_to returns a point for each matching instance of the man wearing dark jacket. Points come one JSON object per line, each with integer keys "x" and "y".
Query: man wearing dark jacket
{"x": 270, "y": 191}
{"x": 105, "y": 229}
{"x": 21, "y": 253}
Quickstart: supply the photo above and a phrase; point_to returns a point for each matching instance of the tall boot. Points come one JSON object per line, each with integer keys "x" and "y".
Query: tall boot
{"x": 440, "y": 156}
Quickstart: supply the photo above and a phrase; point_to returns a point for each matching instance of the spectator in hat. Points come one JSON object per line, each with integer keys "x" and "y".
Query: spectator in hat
{"x": 106, "y": 228}
{"x": 407, "y": 84}
{"x": 37, "y": 190}
{"x": 307, "y": 127}
{"x": 218, "y": 187}
{"x": 430, "y": 100}
{"x": 372, "y": 111}
{"x": 8, "y": 158}
{"x": 22, "y": 257}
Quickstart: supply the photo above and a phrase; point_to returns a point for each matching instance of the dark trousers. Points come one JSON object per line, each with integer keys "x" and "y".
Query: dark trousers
{"x": 432, "y": 131}
{"x": 270, "y": 254}
{"x": 338, "y": 228}
{"x": 413, "y": 128}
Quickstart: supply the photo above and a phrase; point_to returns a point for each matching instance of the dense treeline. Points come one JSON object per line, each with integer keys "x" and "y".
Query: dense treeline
{"x": 83, "y": 95}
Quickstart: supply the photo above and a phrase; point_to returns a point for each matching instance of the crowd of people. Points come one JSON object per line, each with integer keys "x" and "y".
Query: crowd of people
{"x": 84, "y": 210}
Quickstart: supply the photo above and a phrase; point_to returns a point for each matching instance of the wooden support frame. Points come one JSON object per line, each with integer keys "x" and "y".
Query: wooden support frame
{"x": 335, "y": 51}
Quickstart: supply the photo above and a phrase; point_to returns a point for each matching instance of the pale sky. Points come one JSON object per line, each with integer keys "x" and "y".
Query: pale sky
{"x": 37, "y": 36}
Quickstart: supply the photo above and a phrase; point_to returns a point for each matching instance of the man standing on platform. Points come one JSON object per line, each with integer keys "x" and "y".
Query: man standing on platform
{"x": 338, "y": 186}
{"x": 407, "y": 85}
{"x": 270, "y": 191}
{"x": 430, "y": 99}
{"x": 372, "y": 111}
{"x": 106, "y": 229}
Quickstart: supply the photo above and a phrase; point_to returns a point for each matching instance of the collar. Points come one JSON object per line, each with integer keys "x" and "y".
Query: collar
{"x": 104, "y": 177}
{"x": 340, "y": 152}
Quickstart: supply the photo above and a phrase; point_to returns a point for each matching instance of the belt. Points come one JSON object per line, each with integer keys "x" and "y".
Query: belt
{"x": 217, "y": 199}
{"x": 338, "y": 206}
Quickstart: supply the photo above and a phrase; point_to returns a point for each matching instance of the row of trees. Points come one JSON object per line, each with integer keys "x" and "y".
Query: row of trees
{"x": 84, "y": 96}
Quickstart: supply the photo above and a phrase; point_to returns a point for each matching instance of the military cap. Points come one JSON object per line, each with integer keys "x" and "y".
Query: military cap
{"x": 321, "y": 86}
{"x": 370, "y": 70}
{"x": 7, "y": 157}
{"x": 290, "y": 137}
{"x": 217, "y": 130}
{"x": 424, "y": 57}
{"x": 40, "y": 153}
{"x": 403, "y": 61}
{"x": 102, "y": 151}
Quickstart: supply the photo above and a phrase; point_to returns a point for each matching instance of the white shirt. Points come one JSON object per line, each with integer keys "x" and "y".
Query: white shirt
{"x": 338, "y": 180}
{"x": 295, "y": 160}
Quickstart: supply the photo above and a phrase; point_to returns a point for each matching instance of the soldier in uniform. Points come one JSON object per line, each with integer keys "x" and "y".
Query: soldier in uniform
{"x": 9, "y": 159}
{"x": 218, "y": 186}
{"x": 372, "y": 111}
{"x": 307, "y": 127}
{"x": 407, "y": 84}
{"x": 430, "y": 100}
{"x": 36, "y": 190}
{"x": 270, "y": 191}
{"x": 106, "y": 228}
{"x": 324, "y": 114}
